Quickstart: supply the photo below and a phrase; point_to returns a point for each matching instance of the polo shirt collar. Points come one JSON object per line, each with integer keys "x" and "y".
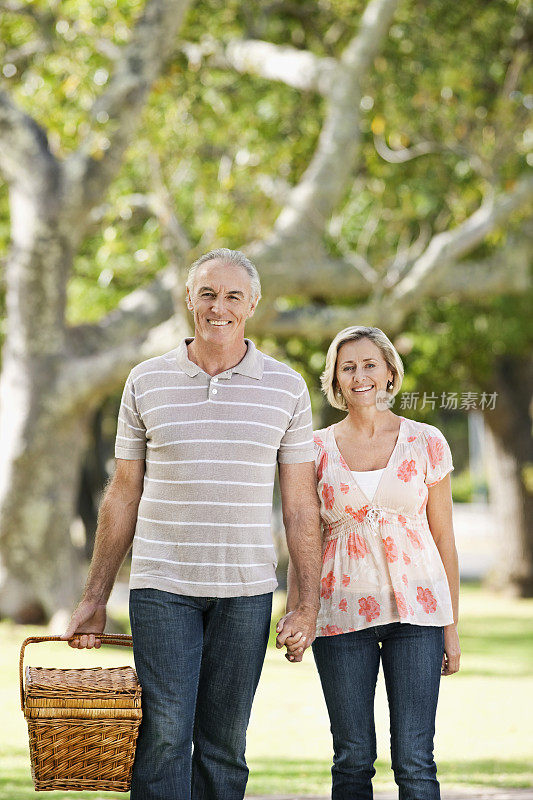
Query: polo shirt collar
{"x": 251, "y": 365}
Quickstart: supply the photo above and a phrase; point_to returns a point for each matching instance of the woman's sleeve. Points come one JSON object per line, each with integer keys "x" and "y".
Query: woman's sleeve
{"x": 438, "y": 456}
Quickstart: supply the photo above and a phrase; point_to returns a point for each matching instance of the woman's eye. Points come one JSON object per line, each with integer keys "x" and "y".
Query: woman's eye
{"x": 371, "y": 365}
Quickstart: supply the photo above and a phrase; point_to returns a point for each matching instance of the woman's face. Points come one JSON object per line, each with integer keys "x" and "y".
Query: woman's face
{"x": 361, "y": 371}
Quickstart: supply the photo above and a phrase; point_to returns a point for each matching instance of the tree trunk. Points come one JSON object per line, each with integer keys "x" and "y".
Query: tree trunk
{"x": 41, "y": 571}
{"x": 510, "y": 458}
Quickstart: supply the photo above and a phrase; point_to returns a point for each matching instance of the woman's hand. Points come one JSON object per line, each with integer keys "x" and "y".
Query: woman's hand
{"x": 452, "y": 650}
{"x": 296, "y": 630}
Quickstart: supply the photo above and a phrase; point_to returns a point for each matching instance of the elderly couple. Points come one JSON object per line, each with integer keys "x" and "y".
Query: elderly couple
{"x": 368, "y": 515}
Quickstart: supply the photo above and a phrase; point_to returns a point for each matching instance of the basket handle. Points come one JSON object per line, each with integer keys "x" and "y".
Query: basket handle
{"x": 107, "y": 638}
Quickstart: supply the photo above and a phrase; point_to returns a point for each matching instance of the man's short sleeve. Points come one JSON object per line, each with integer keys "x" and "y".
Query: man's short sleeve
{"x": 297, "y": 443}
{"x": 130, "y": 442}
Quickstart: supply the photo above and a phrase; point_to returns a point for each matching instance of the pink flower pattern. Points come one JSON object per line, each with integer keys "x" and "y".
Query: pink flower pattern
{"x": 330, "y": 630}
{"x": 415, "y": 539}
{"x": 362, "y": 555}
{"x": 322, "y": 464}
{"x": 358, "y": 515}
{"x": 369, "y": 608}
{"x": 391, "y": 551}
{"x": 406, "y": 470}
{"x": 356, "y": 547}
{"x": 329, "y": 550}
{"x": 400, "y": 604}
{"x": 328, "y": 496}
{"x": 435, "y": 451}
{"x": 327, "y": 585}
{"x": 426, "y": 600}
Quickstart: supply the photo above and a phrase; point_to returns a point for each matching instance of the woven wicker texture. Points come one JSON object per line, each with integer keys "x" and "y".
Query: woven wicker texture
{"x": 82, "y": 755}
{"x": 82, "y": 723}
{"x": 90, "y": 682}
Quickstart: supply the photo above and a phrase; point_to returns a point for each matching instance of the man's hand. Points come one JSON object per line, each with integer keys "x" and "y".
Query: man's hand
{"x": 297, "y": 630}
{"x": 88, "y": 619}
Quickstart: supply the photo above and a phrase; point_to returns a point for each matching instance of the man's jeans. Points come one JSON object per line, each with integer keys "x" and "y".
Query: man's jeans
{"x": 198, "y": 660}
{"x": 348, "y": 665}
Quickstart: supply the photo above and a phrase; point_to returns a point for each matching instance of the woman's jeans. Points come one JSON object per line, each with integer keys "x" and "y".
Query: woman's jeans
{"x": 348, "y": 665}
{"x": 198, "y": 660}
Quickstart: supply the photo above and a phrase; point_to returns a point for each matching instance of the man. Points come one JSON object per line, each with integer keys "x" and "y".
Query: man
{"x": 200, "y": 431}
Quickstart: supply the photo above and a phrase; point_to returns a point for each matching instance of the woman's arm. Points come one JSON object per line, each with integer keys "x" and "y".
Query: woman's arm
{"x": 439, "y": 514}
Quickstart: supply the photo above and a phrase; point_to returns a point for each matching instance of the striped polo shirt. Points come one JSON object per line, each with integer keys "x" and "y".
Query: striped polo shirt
{"x": 210, "y": 446}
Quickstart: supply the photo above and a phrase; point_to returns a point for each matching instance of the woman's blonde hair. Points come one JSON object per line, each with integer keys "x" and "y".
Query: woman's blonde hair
{"x": 328, "y": 379}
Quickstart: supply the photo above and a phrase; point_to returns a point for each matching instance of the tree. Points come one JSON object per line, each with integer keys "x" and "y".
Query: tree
{"x": 55, "y": 373}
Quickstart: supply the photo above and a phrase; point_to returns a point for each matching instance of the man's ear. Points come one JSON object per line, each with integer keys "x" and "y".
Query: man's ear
{"x": 252, "y": 308}
{"x": 189, "y": 301}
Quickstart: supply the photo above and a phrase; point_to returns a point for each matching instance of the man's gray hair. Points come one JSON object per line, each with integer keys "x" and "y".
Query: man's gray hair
{"x": 229, "y": 257}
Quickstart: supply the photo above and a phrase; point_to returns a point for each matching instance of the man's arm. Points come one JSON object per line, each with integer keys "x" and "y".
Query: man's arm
{"x": 301, "y": 517}
{"x": 116, "y": 527}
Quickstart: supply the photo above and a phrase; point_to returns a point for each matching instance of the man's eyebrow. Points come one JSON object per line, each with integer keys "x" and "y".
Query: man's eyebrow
{"x": 209, "y": 289}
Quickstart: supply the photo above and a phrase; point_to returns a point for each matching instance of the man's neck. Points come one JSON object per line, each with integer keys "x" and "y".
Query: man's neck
{"x": 212, "y": 359}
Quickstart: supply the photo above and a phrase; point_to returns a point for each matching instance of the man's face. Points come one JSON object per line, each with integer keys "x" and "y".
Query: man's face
{"x": 221, "y": 302}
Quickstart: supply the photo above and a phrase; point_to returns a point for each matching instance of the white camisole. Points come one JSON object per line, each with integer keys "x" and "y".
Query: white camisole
{"x": 368, "y": 481}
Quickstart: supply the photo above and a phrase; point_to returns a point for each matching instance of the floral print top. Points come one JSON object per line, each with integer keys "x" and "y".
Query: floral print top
{"x": 380, "y": 561}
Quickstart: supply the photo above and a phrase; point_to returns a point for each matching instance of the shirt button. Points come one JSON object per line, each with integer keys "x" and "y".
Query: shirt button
{"x": 214, "y": 380}
{"x": 214, "y": 391}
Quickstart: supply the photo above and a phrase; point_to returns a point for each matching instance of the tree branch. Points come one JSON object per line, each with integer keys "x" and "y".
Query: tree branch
{"x": 505, "y": 271}
{"x": 297, "y": 68}
{"x": 118, "y": 110}
{"x": 314, "y": 198}
{"x": 25, "y": 157}
{"x": 87, "y": 380}
{"x": 136, "y": 313}
{"x": 452, "y": 245}
{"x": 145, "y": 323}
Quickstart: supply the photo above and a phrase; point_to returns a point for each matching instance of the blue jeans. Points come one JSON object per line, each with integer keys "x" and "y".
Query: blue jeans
{"x": 348, "y": 665}
{"x": 198, "y": 660}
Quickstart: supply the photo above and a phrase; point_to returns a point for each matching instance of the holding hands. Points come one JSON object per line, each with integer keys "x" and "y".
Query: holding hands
{"x": 296, "y": 631}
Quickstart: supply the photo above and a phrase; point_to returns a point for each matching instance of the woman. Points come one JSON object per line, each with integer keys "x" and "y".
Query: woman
{"x": 390, "y": 581}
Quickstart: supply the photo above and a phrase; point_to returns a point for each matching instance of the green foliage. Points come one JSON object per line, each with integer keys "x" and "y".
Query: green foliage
{"x": 453, "y": 347}
{"x": 464, "y": 488}
{"x": 229, "y": 144}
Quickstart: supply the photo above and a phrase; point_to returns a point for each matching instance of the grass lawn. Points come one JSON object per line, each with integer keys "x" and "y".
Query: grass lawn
{"x": 483, "y": 725}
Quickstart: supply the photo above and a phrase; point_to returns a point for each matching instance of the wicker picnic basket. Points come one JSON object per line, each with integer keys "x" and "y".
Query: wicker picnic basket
{"x": 82, "y": 723}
